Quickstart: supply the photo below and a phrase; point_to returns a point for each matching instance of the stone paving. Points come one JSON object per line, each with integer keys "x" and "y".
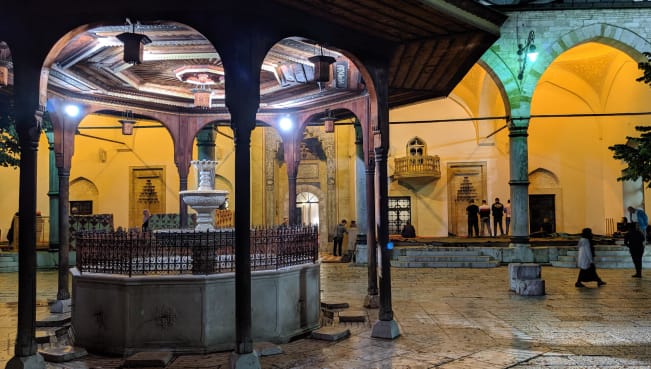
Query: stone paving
{"x": 451, "y": 318}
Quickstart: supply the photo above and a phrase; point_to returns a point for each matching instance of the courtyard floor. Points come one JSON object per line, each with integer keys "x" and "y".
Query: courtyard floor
{"x": 448, "y": 318}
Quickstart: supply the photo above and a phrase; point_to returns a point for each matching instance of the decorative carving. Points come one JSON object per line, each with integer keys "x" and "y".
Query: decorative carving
{"x": 165, "y": 316}
{"x": 148, "y": 194}
{"x": 308, "y": 170}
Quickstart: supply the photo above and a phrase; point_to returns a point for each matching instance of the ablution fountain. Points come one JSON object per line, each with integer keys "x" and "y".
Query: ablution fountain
{"x": 205, "y": 199}
{"x": 174, "y": 289}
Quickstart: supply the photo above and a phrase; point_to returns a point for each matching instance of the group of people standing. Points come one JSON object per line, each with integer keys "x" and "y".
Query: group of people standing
{"x": 481, "y": 214}
{"x": 338, "y": 238}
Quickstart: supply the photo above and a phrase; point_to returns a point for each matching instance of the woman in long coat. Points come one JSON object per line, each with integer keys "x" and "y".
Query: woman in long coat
{"x": 585, "y": 260}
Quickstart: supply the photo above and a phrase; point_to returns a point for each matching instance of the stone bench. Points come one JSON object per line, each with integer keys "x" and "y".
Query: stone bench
{"x": 524, "y": 279}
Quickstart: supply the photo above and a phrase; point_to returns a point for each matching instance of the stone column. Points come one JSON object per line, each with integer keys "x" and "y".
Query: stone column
{"x": 519, "y": 168}
{"x": 26, "y": 94}
{"x": 53, "y": 194}
{"x": 386, "y": 326}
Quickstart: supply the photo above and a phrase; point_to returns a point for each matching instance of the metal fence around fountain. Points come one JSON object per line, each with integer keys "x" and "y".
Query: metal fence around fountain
{"x": 190, "y": 252}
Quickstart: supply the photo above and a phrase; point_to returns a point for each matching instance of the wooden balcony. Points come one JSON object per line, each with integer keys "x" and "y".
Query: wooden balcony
{"x": 417, "y": 170}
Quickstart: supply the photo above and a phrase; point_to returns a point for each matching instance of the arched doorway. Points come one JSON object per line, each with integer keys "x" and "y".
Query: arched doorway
{"x": 307, "y": 205}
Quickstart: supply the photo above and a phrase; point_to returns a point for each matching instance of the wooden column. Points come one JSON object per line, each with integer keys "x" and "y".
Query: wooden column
{"x": 26, "y": 92}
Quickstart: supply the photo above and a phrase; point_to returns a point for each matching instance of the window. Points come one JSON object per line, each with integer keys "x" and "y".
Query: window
{"x": 81, "y": 207}
{"x": 399, "y": 213}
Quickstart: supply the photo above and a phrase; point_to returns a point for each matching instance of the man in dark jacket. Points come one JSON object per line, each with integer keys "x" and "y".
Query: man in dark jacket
{"x": 498, "y": 211}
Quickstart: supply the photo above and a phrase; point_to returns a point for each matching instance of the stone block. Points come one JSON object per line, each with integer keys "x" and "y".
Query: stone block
{"x": 62, "y": 354}
{"x": 54, "y": 320}
{"x": 361, "y": 254}
{"x": 331, "y": 334}
{"x": 530, "y": 287}
{"x": 331, "y": 305}
{"x": 148, "y": 359}
{"x": 267, "y": 349}
{"x": 523, "y": 271}
{"x": 353, "y": 316}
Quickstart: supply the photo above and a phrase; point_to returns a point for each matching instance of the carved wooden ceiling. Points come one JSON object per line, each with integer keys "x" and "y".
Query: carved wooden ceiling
{"x": 431, "y": 44}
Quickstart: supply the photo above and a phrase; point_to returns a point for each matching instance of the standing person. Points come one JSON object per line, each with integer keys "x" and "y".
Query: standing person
{"x": 473, "y": 218}
{"x": 639, "y": 216}
{"x": 634, "y": 240}
{"x": 498, "y": 211}
{"x": 485, "y": 217}
{"x": 339, "y": 237}
{"x": 145, "y": 220}
{"x": 285, "y": 223}
{"x": 408, "y": 230}
{"x": 585, "y": 260}
{"x": 507, "y": 215}
{"x": 352, "y": 240}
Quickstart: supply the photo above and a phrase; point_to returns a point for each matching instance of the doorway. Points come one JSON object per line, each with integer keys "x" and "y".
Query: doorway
{"x": 307, "y": 206}
{"x": 541, "y": 207}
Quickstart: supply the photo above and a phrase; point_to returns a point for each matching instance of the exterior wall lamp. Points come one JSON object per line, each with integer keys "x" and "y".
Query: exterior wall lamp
{"x": 526, "y": 52}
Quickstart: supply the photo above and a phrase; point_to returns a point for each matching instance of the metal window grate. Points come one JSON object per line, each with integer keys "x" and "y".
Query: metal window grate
{"x": 399, "y": 213}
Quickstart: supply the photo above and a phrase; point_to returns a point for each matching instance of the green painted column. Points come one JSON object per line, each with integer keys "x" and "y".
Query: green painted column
{"x": 53, "y": 194}
{"x": 206, "y": 143}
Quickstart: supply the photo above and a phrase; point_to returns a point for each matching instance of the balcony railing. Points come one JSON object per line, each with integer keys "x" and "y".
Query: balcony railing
{"x": 420, "y": 169}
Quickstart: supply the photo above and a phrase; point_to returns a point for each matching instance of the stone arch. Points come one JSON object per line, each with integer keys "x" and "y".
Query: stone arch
{"x": 620, "y": 38}
{"x": 83, "y": 189}
{"x": 324, "y": 224}
{"x": 545, "y": 182}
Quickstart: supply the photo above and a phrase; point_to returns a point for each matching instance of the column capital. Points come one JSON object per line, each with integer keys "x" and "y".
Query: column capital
{"x": 518, "y": 131}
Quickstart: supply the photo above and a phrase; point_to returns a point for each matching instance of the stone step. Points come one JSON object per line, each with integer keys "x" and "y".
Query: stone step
{"x": 158, "y": 359}
{"x": 444, "y": 258}
{"x": 438, "y": 251}
{"x": 623, "y": 264}
{"x": 564, "y": 264}
{"x": 445, "y": 264}
{"x": 353, "y": 316}
{"x": 53, "y": 320}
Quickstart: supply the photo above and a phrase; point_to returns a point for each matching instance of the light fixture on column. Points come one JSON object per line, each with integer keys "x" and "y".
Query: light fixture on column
{"x": 134, "y": 44}
{"x": 321, "y": 67}
{"x": 127, "y": 122}
{"x": 526, "y": 52}
{"x": 328, "y": 121}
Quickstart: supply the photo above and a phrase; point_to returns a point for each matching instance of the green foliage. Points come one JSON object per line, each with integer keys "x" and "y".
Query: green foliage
{"x": 9, "y": 147}
{"x": 636, "y": 152}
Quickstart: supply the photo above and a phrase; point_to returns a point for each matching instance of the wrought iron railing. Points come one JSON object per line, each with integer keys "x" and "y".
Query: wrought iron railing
{"x": 189, "y": 252}
{"x": 426, "y": 166}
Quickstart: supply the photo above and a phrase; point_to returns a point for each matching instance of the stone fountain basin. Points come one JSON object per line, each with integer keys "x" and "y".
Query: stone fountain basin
{"x": 204, "y": 199}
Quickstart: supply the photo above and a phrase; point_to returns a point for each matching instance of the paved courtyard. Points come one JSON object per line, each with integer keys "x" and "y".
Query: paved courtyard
{"x": 449, "y": 318}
